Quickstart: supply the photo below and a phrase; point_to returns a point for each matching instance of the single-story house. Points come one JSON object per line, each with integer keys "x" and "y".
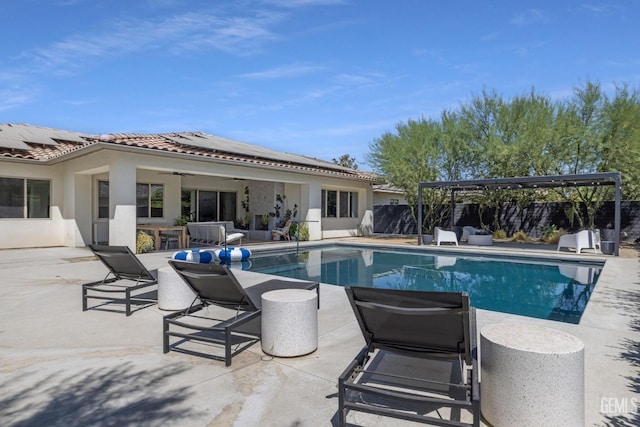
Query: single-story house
{"x": 62, "y": 188}
{"x": 387, "y": 195}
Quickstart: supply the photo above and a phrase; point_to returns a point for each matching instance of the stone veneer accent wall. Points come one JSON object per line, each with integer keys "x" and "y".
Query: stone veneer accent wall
{"x": 262, "y": 199}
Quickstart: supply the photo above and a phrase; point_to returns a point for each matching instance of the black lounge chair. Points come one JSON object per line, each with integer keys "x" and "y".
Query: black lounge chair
{"x": 419, "y": 358}
{"x": 216, "y": 285}
{"x": 126, "y": 276}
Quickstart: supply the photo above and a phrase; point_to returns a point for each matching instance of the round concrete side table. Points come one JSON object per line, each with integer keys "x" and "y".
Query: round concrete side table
{"x": 289, "y": 322}
{"x": 173, "y": 293}
{"x": 480, "y": 239}
{"x": 531, "y": 376}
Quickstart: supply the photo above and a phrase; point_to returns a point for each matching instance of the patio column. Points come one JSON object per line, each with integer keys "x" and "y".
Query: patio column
{"x": 77, "y": 209}
{"x": 122, "y": 204}
{"x": 311, "y": 196}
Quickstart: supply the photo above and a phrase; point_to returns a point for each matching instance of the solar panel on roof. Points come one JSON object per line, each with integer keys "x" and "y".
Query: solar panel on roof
{"x": 10, "y": 138}
{"x": 16, "y": 136}
{"x": 213, "y": 142}
{"x": 69, "y": 136}
{"x": 36, "y": 135}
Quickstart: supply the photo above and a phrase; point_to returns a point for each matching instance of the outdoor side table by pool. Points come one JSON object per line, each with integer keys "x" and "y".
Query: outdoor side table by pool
{"x": 480, "y": 239}
{"x": 289, "y": 322}
{"x": 173, "y": 292}
{"x": 531, "y": 376}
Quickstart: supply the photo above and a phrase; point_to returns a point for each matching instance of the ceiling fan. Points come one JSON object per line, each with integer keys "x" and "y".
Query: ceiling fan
{"x": 182, "y": 174}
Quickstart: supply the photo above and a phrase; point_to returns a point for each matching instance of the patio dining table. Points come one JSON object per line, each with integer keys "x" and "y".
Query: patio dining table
{"x": 156, "y": 230}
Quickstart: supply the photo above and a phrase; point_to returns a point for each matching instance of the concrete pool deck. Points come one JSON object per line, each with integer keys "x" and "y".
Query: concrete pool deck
{"x": 62, "y": 366}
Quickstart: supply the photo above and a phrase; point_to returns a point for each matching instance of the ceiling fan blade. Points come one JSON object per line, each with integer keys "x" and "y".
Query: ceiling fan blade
{"x": 182, "y": 174}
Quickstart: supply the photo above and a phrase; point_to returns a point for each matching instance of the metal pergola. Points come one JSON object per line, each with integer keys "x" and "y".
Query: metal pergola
{"x": 529, "y": 182}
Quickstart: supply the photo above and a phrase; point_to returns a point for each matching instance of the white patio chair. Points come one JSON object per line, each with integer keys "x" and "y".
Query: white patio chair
{"x": 584, "y": 239}
{"x": 442, "y": 236}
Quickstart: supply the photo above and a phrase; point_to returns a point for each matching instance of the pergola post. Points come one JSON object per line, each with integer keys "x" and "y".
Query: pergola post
{"x": 419, "y": 225}
{"x": 453, "y": 208}
{"x": 616, "y": 216}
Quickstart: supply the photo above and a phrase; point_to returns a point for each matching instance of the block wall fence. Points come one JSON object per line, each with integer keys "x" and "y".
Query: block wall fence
{"x": 389, "y": 219}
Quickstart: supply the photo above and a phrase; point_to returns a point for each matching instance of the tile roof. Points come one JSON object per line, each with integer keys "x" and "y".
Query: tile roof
{"x": 18, "y": 142}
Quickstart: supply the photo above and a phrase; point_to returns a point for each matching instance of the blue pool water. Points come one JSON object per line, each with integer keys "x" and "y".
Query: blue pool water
{"x": 542, "y": 289}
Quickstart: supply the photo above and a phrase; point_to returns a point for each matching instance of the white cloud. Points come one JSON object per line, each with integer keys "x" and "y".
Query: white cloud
{"x": 238, "y": 35}
{"x": 286, "y": 71}
{"x": 359, "y": 79}
{"x": 599, "y": 9}
{"x": 15, "y": 97}
{"x": 529, "y": 17}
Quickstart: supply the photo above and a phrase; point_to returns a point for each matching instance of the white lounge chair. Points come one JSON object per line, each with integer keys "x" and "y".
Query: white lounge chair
{"x": 584, "y": 239}
{"x": 442, "y": 236}
{"x": 218, "y": 233}
{"x": 467, "y": 231}
{"x": 225, "y": 238}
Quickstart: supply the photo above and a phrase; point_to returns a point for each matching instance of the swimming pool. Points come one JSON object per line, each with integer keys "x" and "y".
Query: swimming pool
{"x": 542, "y": 289}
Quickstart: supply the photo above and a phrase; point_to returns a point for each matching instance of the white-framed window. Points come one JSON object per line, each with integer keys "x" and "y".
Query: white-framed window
{"x": 209, "y": 205}
{"x": 339, "y": 203}
{"x": 149, "y": 200}
{"x": 25, "y": 198}
{"x": 103, "y": 199}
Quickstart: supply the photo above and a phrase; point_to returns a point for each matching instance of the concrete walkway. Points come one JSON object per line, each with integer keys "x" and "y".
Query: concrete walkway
{"x": 64, "y": 367}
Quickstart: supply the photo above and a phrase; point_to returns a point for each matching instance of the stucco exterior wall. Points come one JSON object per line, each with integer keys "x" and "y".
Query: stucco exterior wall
{"x": 74, "y": 201}
{"x": 32, "y": 232}
{"x": 381, "y": 198}
{"x": 345, "y": 227}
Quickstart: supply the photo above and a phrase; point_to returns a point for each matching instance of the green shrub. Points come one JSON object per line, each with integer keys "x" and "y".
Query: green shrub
{"x": 144, "y": 243}
{"x": 548, "y": 230}
{"x": 181, "y": 220}
{"x": 303, "y": 231}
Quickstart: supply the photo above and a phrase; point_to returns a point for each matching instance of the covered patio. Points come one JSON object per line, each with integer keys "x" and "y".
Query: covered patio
{"x": 72, "y": 189}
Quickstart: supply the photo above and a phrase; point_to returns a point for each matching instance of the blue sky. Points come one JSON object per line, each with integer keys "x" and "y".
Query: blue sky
{"x": 315, "y": 77}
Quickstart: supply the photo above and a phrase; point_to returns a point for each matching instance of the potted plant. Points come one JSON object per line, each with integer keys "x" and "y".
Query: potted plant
{"x": 265, "y": 220}
{"x": 181, "y": 220}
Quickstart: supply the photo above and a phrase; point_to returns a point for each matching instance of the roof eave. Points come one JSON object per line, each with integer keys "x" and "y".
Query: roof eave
{"x": 100, "y": 145}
